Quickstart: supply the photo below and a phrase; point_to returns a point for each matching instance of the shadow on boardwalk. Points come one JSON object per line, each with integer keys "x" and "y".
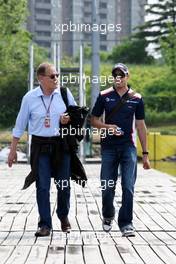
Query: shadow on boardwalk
{"x": 154, "y": 219}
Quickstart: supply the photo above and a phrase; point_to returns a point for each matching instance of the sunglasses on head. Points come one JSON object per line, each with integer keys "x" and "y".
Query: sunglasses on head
{"x": 53, "y": 76}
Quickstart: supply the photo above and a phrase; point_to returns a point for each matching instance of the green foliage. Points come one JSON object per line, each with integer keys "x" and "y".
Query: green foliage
{"x": 131, "y": 51}
{"x": 154, "y": 118}
{"x": 87, "y": 53}
{"x": 104, "y": 55}
{"x": 168, "y": 48}
{"x": 161, "y": 103}
{"x": 156, "y": 28}
{"x": 157, "y": 86}
{"x": 14, "y": 57}
{"x": 12, "y": 15}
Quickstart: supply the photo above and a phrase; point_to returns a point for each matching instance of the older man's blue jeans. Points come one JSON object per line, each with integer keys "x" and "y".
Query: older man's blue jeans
{"x": 112, "y": 156}
{"x": 43, "y": 183}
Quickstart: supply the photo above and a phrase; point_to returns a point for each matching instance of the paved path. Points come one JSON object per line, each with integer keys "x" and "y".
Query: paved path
{"x": 154, "y": 219}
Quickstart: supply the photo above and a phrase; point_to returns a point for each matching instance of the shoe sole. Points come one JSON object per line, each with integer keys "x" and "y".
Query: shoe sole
{"x": 42, "y": 235}
{"x": 132, "y": 234}
{"x": 67, "y": 231}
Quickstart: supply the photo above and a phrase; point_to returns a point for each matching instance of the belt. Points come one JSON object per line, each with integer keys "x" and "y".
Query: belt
{"x": 54, "y": 138}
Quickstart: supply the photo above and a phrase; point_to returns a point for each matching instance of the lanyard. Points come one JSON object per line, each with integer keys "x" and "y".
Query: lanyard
{"x": 47, "y": 109}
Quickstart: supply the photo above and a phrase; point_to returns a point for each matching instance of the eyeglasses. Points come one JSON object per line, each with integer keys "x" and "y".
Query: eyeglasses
{"x": 52, "y": 76}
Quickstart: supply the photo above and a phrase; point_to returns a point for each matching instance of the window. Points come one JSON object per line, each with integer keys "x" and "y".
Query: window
{"x": 43, "y": 11}
{"x": 43, "y": 33}
{"x": 87, "y": 4}
{"x": 43, "y": 1}
{"x": 103, "y": 16}
{"x": 87, "y": 36}
{"x": 103, "y": 5}
{"x": 103, "y": 47}
{"x": 43, "y": 22}
{"x": 86, "y": 14}
{"x": 103, "y": 37}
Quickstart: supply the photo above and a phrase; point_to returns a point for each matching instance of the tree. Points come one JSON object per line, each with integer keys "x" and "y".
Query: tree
{"x": 156, "y": 28}
{"x": 14, "y": 39}
{"x": 14, "y": 57}
{"x": 168, "y": 48}
{"x": 131, "y": 51}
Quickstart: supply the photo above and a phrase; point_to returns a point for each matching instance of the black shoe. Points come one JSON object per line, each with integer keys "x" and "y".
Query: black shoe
{"x": 42, "y": 231}
{"x": 65, "y": 225}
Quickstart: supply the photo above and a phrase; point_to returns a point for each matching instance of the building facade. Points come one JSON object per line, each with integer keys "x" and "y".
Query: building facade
{"x": 46, "y": 17}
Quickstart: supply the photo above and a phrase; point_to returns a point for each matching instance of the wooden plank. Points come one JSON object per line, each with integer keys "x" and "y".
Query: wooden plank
{"x": 56, "y": 223}
{"x": 28, "y": 238}
{"x": 19, "y": 222}
{"x": 137, "y": 240}
{"x": 165, "y": 238}
{"x": 110, "y": 254}
{"x": 148, "y": 255}
{"x": 73, "y": 222}
{"x": 43, "y": 241}
{"x": 96, "y": 222}
{"x": 58, "y": 239}
{"x": 165, "y": 254}
{"x": 151, "y": 238}
{"x": 154, "y": 219}
{"x": 12, "y": 239}
{"x": 74, "y": 238}
{"x": 6, "y": 222}
{"x": 19, "y": 255}
{"x": 3, "y": 236}
{"x": 172, "y": 234}
{"x": 138, "y": 224}
{"x": 165, "y": 214}
{"x": 5, "y": 252}
{"x": 105, "y": 238}
{"x": 32, "y": 220}
{"x": 56, "y": 255}
{"x": 90, "y": 238}
{"x": 172, "y": 248}
{"x": 129, "y": 255}
{"x": 74, "y": 255}
{"x": 144, "y": 217}
{"x": 119, "y": 240}
{"x": 82, "y": 213}
{"x": 84, "y": 223}
{"x": 38, "y": 254}
{"x": 157, "y": 217}
{"x": 92, "y": 255}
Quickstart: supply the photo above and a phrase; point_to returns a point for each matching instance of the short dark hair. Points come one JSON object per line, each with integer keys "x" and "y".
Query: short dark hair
{"x": 41, "y": 70}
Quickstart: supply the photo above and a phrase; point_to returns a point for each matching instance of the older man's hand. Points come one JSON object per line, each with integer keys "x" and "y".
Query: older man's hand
{"x": 12, "y": 157}
{"x": 64, "y": 119}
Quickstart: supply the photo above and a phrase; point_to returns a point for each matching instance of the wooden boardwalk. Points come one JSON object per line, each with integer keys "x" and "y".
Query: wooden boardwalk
{"x": 154, "y": 219}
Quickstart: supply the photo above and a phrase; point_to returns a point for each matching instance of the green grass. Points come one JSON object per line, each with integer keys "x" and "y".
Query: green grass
{"x": 6, "y": 136}
{"x": 167, "y": 130}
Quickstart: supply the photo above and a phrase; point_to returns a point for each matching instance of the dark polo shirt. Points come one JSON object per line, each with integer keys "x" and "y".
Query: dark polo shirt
{"x": 125, "y": 118}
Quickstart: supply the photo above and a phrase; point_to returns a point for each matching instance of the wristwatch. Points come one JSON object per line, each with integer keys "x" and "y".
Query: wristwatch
{"x": 145, "y": 152}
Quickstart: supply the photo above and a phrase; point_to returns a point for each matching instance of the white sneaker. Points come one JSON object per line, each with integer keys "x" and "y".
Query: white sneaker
{"x": 128, "y": 231}
{"x": 107, "y": 225}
